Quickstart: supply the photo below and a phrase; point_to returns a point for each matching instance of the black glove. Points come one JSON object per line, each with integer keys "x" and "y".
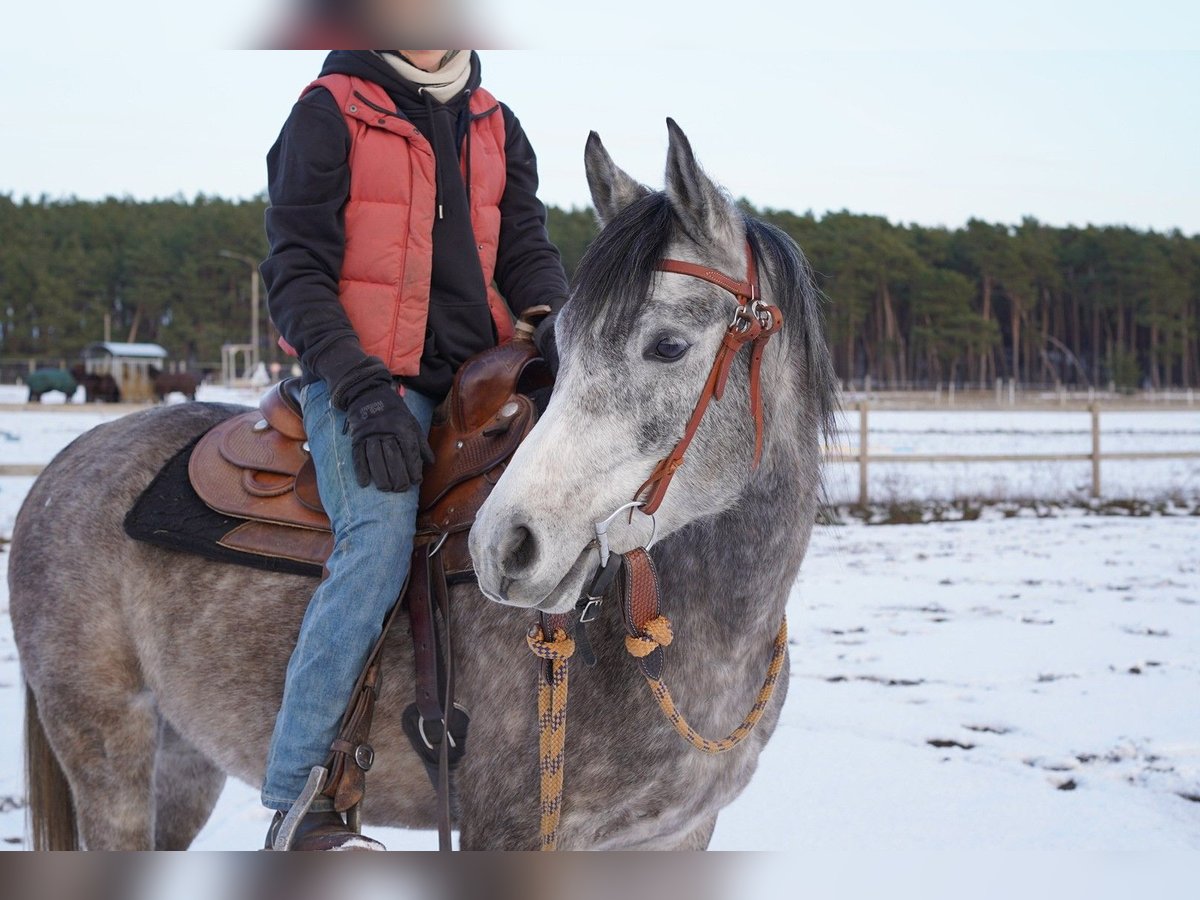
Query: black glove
{"x": 386, "y": 440}
{"x": 544, "y": 340}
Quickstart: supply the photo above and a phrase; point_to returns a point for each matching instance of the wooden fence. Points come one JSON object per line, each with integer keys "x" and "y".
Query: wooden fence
{"x": 864, "y": 458}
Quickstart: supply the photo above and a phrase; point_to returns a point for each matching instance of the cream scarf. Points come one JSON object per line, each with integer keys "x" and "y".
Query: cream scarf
{"x": 443, "y": 84}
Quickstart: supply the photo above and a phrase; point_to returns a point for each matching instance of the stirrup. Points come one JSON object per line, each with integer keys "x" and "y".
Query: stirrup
{"x": 291, "y": 822}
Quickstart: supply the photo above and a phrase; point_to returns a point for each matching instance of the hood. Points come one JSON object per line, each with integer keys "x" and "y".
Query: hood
{"x": 367, "y": 65}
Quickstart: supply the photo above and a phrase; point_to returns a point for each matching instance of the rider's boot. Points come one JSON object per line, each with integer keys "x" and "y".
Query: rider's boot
{"x": 325, "y": 830}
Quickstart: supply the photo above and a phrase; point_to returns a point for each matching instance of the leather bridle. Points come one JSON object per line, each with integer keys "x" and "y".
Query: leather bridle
{"x": 754, "y": 322}
{"x": 648, "y": 631}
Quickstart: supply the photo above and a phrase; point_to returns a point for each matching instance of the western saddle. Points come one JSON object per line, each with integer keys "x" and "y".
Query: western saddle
{"x": 255, "y": 467}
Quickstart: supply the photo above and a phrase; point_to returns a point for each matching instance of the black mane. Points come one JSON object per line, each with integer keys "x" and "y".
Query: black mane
{"x": 795, "y": 292}
{"x": 614, "y": 277}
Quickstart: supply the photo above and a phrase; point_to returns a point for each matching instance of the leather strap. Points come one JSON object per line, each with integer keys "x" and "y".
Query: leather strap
{"x": 434, "y": 680}
{"x": 445, "y": 815}
{"x": 714, "y": 387}
{"x": 420, "y": 618}
{"x": 756, "y": 357}
{"x": 747, "y": 289}
{"x": 640, "y": 604}
{"x": 754, "y": 323}
{"x": 346, "y": 784}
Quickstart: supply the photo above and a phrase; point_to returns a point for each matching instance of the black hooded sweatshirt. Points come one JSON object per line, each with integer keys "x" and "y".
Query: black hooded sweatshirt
{"x": 309, "y": 183}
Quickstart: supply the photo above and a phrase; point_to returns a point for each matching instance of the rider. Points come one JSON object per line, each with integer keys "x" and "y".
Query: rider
{"x": 403, "y": 207}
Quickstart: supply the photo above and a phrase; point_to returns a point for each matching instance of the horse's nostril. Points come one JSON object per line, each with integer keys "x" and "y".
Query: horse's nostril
{"x": 519, "y": 551}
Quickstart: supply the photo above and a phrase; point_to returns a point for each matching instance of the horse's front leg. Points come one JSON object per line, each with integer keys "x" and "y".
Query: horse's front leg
{"x": 498, "y": 802}
{"x": 499, "y": 818}
{"x": 699, "y": 839}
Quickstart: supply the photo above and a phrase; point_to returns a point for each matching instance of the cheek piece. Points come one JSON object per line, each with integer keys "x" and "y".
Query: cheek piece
{"x": 754, "y": 322}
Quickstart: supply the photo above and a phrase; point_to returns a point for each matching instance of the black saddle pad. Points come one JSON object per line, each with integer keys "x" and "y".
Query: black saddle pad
{"x": 170, "y": 514}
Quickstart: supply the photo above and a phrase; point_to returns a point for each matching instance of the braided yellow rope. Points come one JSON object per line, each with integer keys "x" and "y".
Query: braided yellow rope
{"x": 653, "y": 636}
{"x": 552, "y": 726}
{"x": 552, "y": 708}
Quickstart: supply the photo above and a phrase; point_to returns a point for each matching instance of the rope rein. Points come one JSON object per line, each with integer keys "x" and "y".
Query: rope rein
{"x": 642, "y": 646}
{"x": 552, "y": 707}
{"x": 552, "y": 725}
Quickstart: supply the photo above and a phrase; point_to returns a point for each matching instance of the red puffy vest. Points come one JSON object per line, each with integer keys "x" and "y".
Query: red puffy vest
{"x": 389, "y": 216}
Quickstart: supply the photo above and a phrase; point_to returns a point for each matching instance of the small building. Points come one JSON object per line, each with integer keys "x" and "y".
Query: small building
{"x": 128, "y": 364}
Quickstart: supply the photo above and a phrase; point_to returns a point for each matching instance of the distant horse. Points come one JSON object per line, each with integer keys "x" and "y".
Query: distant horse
{"x": 151, "y": 674}
{"x": 45, "y": 380}
{"x": 174, "y": 382}
{"x": 97, "y": 388}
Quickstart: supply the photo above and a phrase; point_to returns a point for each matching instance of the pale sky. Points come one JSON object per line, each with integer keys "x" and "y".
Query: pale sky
{"x": 1089, "y": 113}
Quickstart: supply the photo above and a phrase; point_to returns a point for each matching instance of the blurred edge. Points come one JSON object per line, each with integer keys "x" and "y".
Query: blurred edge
{"x": 609, "y": 876}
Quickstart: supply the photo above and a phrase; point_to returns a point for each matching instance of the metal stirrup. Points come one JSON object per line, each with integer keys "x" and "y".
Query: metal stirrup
{"x": 291, "y": 822}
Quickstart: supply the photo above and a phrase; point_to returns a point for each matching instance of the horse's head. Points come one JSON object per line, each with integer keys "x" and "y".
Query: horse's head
{"x": 636, "y": 348}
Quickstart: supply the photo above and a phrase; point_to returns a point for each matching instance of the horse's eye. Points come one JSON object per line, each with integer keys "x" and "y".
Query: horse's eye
{"x": 670, "y": 348}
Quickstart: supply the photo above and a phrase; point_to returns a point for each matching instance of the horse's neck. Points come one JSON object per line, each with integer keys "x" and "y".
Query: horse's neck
{"x": 734, "y": 571}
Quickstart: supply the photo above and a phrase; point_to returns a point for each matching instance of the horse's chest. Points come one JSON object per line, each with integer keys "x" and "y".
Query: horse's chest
{"x": 653, "y": 793}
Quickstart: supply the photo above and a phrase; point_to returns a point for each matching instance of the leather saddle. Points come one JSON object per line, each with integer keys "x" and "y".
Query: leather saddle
{"x": 256, "y": 468}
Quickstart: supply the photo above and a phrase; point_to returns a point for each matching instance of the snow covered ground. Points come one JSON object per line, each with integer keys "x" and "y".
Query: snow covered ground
{"x": 1025, "y": 683}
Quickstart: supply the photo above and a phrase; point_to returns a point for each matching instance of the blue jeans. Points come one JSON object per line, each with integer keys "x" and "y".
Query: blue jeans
{"x": 373, "y": 535}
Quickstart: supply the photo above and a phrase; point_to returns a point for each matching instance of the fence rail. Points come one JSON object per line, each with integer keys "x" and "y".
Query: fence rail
{"x": 864, "y": 458}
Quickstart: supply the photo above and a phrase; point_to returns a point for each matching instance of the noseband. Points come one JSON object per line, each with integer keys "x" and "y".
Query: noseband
{"x": 754, "y": 322}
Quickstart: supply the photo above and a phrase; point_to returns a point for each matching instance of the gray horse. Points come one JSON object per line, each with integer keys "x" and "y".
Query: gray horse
{"x": 152, "y": 675}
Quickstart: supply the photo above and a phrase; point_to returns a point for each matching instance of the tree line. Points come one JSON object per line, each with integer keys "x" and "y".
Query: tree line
{"x": 907, "y": 304}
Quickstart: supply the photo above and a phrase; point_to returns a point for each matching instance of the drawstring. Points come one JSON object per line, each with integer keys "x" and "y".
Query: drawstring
{"x": 467, "y": 151}
{"x": 437, "y": 169}
{"x": 464, "y": 129}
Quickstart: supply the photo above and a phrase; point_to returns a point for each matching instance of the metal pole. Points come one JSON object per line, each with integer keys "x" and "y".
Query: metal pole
{"x": 1095, "y": 410}
{"x": 253, "y": 317}
{"x": 254, "y": 276}
{"x": 862, "y": 454}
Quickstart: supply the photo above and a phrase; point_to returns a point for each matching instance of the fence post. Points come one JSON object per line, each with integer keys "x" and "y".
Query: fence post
{"x": 862, "y": 454}
{"x": 1095, "y": 410}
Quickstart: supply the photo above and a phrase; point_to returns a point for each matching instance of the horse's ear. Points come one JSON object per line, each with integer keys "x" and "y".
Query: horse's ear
{"x": 706, "y": 212}
{"x": 612, "y": 188}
